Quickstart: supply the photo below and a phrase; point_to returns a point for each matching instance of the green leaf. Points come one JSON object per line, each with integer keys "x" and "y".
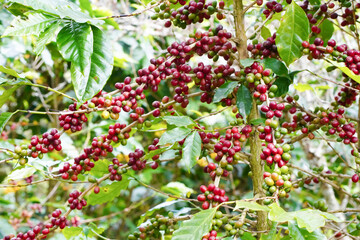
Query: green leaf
{"x": 293, "y": 30}
{"x": 277, "y": 214}
{"x": 108, "y": 192}
{"x": 159, "y": 151}
{"x": 270, "y": 235}
{"x": 86, "y": 5}
{"x": 196, "y": 227}
{"x": 346, "y": 70}
{"x": 101, "y": 168}
{"x": 191, "y": 150}
{"x": 315, "y": 2}
{"x": 11, "y": 72}
{"x": 97, "y": 72}
{"x": 248, "y": 236}
{"x": 283, "y": 84}
{"x": 278, "y": 67}
{"x": 297, "y": 233}
{"x": 258, "y": 121}
{"x": 102, "y": 12}
{"x": 21, "y": 173}
{"x": 34, "y": 24}
{"x": 6, "y": 228}
{"x": 302, "y": 87}
{"x": 174, "y": 135}
{"x": 327, "y": 30}
{"x": 12, "y": 82}
{"x": 62, "y": 8}
{"x": 244, "y": 101}
{"x": 312, "y": 219}
{"x": 4, "y": 118}
{"x": 18, "y": 9}
{"x": 223, "y": 91}
{"x": 46, "y": 37}
{"x": 247, "y": 62}
{"x": 70, "y": 232}
{"x": 178, "y": 189}
{"x": 5, "y": 94}
{"x": 75, "y": 43}
{"x": 179, "y": 120}
{"x": 251, "y": 206}
{"x": 265, "y": 33}
{"x": 94, "y": 229}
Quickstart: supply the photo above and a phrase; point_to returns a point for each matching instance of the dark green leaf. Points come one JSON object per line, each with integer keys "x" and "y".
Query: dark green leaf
{"x": 174, "y": 135}
{"x": 108, "y": 192}
{"x": 278, "y": 67}
{"x": 297, "y": 233}
{"x": 196, "y": 227}
{"x": 179, "y": 120}
{"x": 283, "y": 86}
{"x": 293, "y": 30}
{"x": 18, "y": 9}
{"x": 244, "y": 101}
{"x": 86, "y": 86}
{"x": 223, "y": 91}
{"x": 34, "y": 24}
{"x": 293, "y": 74}
{"x": 62, "y": 8}
{"x": 70, "y": 232}
{"x": 46, "y": 37}
{"x": 191, "y": 150}
{"x": 75, "y": 43}
{"x": 327, "y": 30}
{"x": 4, "y": 118}
{"x": 315, "y": 2}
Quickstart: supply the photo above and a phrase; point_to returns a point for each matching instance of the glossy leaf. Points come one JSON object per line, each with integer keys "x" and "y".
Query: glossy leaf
{"x": 101, "y": 168}
{"x": 75, "y": 43}
{"x": 11, "y": 72}
{"x": 244, "y": 101}
{"x": 293, "y": 30}
{"x": 278, "y": 214}
{"x": 271, "y": 235}
{"x": 179, "y": 120}
{"x": 4, "y": 118}
{"x": 247, "y": 62}
{"x": 86, "y": 5}
{"x": 312, "y": 219}
{"x": 196, "y": 227}
{"x": 101, "y": 65}
{"x": 178, "y": 189}
{"x": 61, "y": 8}
{"x": 21, "y": 173}
{"x": 108, "y": 192}
{"x": 174, "y": 135}
{"x": 278, "y": 67}
{"x": 34, "y": 24}
{"x": 297, "y": 233}
{"x": 46, "y": 37}
{"x": 191, "y": 150}
{"x": 251, "y": 206}
{"x": 223, "y": 91}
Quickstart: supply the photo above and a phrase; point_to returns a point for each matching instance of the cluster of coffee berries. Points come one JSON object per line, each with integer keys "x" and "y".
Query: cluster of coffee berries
{"x": 135, "y": 160}
{"x": 30, "y": 234}
{"x": 231, "y": 227}
{"x": 277, "y": 154}
{"x": 321, "y": 205}
{"x": 193, "y": 12}
{"x": 347, "y": 94}
{"x": 155, "y": 226}
{"x": 211, "y": 194}
{"x": 116, "y": 134}
{"x": 116, "y": 170}
{"x": 263, "y": 50}
{"x": 75, "y": 202}
{"x": 73, "y": 121}
{"x": 349, "y": 17}
{"x": 279, "y": 181}
{"x": 22, "y": 153}
{"x": 56, "y": 220}
{"x": 272, "y": 7}
{"x": 210, "y": 235}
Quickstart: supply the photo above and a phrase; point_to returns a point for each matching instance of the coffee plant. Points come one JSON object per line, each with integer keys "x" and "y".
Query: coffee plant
{"x": 180, "y": 119}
